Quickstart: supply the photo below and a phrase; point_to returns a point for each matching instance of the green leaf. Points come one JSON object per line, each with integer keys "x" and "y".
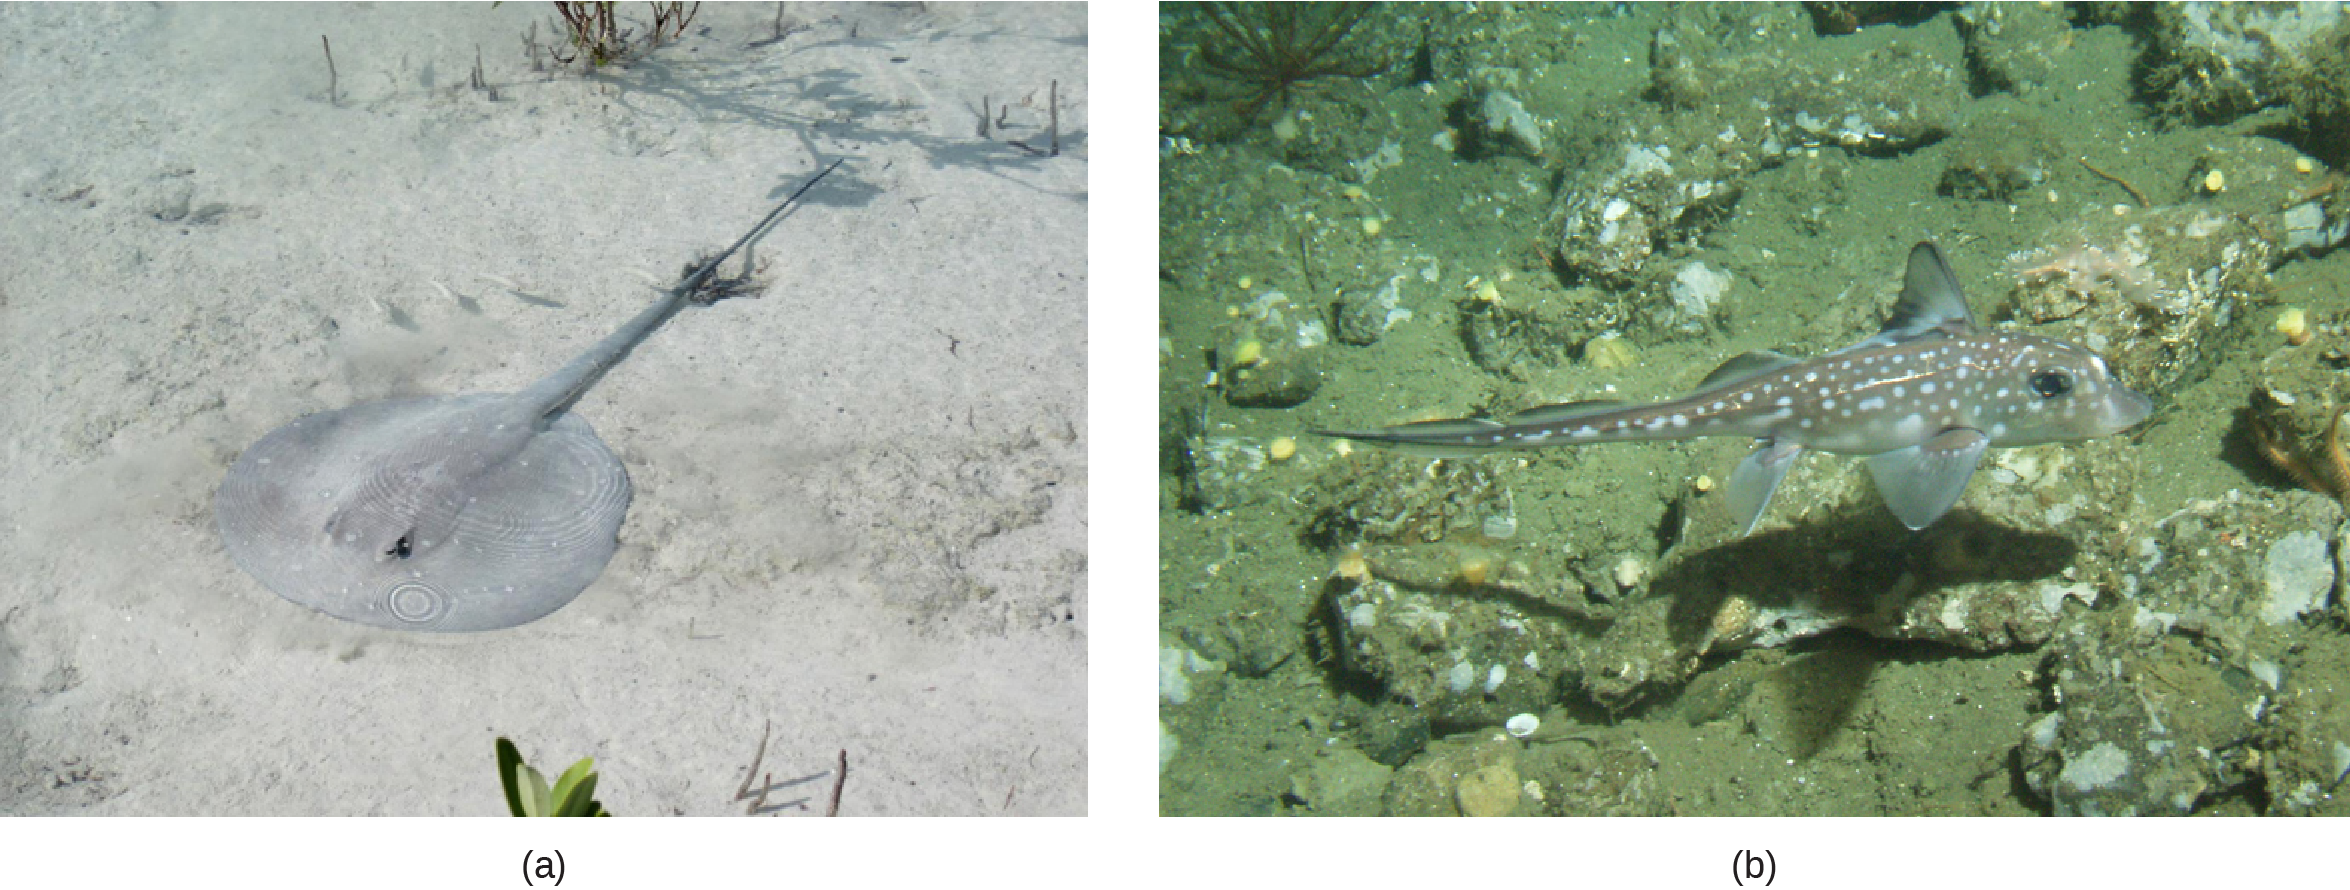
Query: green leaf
{"x": 582, "y": 799}
{"x": 535, "y": 800}
{"x": 575, "y": 789}
{"x": 509, "y": 764}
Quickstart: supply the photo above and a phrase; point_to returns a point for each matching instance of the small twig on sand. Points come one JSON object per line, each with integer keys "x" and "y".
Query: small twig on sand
{"x": 745, "y": 791}
{"x": 330, "y": 70}
{"x": 1055, "y": 106}
{"x": 2135, "y": 194}
{"x": 840, "y": 779}
{"x": 1305, "y": 261}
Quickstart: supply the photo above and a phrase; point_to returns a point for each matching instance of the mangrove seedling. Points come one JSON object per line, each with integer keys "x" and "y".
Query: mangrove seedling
{"x": 527, "y": 794}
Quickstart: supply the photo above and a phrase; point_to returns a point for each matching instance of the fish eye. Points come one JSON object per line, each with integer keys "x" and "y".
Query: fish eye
{"x": 2050, "y": 384}
{"x": 399, "y": 548}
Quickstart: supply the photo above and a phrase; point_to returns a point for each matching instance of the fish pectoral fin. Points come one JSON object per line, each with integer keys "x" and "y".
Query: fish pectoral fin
{"x": 1755, "y": 478}
{"x": 1923, "y": 481}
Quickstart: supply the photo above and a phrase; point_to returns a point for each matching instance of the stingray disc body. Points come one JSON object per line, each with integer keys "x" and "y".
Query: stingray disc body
{"x": 450, "y": 513}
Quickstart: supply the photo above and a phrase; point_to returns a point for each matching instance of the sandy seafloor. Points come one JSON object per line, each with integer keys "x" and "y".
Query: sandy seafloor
{"x": 860, "y": 499}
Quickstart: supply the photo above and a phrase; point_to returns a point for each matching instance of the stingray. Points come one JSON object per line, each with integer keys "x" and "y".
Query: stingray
{"x": 449, "y": 513}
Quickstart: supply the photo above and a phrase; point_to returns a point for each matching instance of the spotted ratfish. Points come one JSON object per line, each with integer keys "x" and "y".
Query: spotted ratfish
{"x": 1923, "y": 398}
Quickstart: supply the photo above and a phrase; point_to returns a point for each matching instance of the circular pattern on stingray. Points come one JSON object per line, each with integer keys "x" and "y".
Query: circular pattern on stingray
{"x": 416, "y": 603}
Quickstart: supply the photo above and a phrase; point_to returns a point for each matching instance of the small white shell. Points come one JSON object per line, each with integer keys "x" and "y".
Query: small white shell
{"x": 1629, "y": 571}
{"x": 1501, "y": 526}
{"x": 1522, "y": 725}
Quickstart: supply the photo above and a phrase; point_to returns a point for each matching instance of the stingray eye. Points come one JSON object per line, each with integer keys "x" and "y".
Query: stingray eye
{"x": 2050, "y": 384}
{"x": 399, "y": 548}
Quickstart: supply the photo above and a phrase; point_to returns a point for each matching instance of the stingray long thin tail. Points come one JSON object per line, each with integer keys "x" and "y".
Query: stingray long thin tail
{"x": 560, "y": 390}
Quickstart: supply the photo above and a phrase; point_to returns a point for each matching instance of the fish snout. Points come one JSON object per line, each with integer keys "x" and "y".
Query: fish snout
{"x": 2124, "y": 408}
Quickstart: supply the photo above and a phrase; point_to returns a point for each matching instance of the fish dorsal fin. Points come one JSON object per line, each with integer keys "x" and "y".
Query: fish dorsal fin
{"x": 1745, "y": 366}
{"x": 1930, "y": 300}
{"x": 1930, "y": 297}
{"x": 1564, "y": 411}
